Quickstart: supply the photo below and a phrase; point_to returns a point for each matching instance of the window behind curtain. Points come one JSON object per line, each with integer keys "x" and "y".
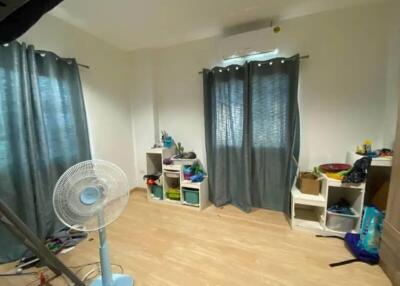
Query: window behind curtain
{"x": 57, "y": 112}
{"x": 4, "y": 144}
{"x": 269, "y": 114}
{"x": 229, "y": 109}
{"x": 252, "y": 132}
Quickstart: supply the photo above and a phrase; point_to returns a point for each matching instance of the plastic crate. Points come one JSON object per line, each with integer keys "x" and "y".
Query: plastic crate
{"x": 341, "y": 222}
{"x": 157, "y": 191}
{"x": 191, "y": 196}
{"x": 173, "y": 194}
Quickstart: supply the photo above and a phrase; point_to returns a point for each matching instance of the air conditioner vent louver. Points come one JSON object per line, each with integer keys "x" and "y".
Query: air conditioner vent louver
{"x": 261, "y": 40}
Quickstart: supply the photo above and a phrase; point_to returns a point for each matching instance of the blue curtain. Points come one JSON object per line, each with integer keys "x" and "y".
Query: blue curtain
{"x": 43, "y": 131}
{"x": 252, "y": 133}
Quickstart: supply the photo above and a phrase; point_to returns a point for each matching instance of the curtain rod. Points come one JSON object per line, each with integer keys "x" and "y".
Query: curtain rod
{"x": 84, "y": 66}
{"x": 43, "y": 54}
{"x": 305, "y": 57}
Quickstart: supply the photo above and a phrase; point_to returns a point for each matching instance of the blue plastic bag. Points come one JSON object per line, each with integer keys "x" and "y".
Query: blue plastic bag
{"x": 371, "y": 230}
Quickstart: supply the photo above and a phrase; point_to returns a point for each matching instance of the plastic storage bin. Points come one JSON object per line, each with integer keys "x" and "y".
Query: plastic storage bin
{"x": 157, "y": 191}
{"x": 173, "y": 194}
{"x": 341, "y": 222}
{"x": 191, "y": 196}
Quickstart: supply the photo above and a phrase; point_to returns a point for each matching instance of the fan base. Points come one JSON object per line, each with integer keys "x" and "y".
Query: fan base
{"x": 118, "y": 280}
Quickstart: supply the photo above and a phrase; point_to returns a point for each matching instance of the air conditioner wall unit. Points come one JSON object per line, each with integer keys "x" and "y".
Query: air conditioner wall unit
{"x": 262, "y": 40}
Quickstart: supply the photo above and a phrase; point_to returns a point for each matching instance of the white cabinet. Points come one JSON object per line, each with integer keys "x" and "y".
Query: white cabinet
{"x": 310, "y": 212}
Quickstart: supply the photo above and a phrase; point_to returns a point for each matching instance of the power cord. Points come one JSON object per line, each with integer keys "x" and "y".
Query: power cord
{"x": 18, "y": 274}
{"x": 89, "y": 276}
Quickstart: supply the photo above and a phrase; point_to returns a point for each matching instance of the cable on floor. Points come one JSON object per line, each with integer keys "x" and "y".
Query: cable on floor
{"x": 18, "y": 274}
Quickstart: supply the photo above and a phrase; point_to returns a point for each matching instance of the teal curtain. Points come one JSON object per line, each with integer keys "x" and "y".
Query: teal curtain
{"x": 252, "y": 133}
{"x": 43, "y": 131}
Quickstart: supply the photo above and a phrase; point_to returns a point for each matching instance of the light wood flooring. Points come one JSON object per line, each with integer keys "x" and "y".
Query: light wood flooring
{"x": 162, "y": 245}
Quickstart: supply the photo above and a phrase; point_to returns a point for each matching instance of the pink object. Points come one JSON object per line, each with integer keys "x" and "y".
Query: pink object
{"x": 334, "y": 167}
{"x": 187, "y": 176}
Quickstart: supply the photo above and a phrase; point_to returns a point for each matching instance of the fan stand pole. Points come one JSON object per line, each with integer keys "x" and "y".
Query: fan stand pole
{"x": 106, "y": 272}
{"x": 17, "y": 227}
{"x": 107, "y": 277}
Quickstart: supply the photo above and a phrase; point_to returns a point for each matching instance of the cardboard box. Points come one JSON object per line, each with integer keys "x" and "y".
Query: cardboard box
{"x": 308, "y": 183}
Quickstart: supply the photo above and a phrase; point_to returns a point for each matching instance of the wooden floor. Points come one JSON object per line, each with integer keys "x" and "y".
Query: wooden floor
{"x": 164, "y": 245}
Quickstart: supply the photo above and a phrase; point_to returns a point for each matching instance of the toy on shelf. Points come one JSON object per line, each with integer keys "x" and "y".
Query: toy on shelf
{"x": 187, "y": 172}
{"x": 167, "y": 140}
{"x": 179, "y": 148}
{"x": 366, "y": 150}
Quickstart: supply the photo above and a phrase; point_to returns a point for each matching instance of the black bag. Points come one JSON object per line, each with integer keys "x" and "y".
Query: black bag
{"x": 358, "y": 174}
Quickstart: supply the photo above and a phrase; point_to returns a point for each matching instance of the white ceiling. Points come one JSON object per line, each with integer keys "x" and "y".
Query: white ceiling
{"x": 136, "y": 24}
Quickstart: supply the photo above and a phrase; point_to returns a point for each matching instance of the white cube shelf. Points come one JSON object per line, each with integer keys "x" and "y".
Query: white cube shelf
{"x": 309, "y": 212}
{"x": 170, "y": 173}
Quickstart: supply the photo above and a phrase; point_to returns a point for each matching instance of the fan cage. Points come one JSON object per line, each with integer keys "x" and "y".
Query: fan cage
{"x": 92, "y": 173}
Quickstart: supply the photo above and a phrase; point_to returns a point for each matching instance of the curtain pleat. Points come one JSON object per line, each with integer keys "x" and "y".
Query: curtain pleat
{"x": 252, "y": 133}
{"x": 43, "y": 131}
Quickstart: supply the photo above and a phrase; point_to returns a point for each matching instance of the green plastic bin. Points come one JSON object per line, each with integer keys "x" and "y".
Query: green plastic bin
{"x": 173, "y": 194}
{"x": 157, "y": 191}
{"x": 191, "y": 196}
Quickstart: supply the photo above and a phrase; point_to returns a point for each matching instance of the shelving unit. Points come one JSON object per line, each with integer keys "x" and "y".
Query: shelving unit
{"x": 351, "y": 157}
{"x": 172, "y": 177}
{"x": 378, "y": 176}
{"x": 309, "y": 212}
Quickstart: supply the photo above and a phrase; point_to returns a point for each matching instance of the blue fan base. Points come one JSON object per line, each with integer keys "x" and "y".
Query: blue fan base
{"x": 118, "y": 280}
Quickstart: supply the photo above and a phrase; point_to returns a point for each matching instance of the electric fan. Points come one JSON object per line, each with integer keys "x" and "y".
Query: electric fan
{"x": 89, "y": 196}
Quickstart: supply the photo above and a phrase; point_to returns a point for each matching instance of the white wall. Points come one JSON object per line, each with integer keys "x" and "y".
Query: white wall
{"x": 345, "y": 94}
{"x": 143, "y": 109}
{"x": 179, "y": 92}
{"x": 342, "y": 86}
{"x": 393, "y": 76}
{"x": 105, "y": 87}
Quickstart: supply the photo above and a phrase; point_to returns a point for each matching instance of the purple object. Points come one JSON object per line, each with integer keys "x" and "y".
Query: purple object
{"x": 167, "y": 161}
